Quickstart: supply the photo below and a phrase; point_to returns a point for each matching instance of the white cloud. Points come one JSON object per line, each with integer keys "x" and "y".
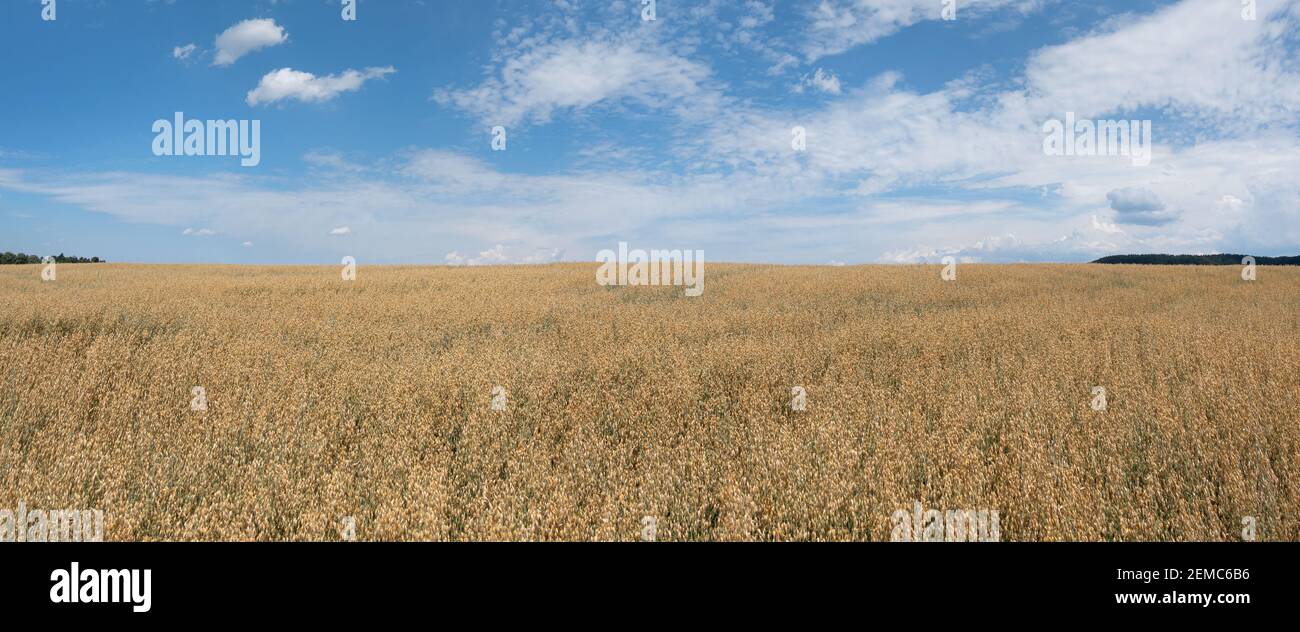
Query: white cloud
{"x": 1080, "y": 244}
{"x": 183, "y": 52}
{"x": 341, "y": 230}
{"x": 440, "y": 201}
{"x": 200, "y": 232}
{"x": 1198, "y": 59}
{"x": 331, "y": 160}
{"x": 973, "y": 147}
{"x": 1139, "y": 205}
{"x": 431, "y": 200}
{"x": 1101, "y": 225}
{"x": 835, "y": 26}
{"x": 287, "y": 83}
{"x": 821, "y": 80}
{"x": 498, "y": 255}
{"x": 572, "y": 75}
{"x": 969, "y": 137}
{"x": 247, "y": 244}
{"x": 246, "y": 37}
{"x": 1231, "y": 202}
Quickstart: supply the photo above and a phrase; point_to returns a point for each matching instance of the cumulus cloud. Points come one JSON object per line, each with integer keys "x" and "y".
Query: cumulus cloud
{"x": 246, "y": 37}
{"x": 498, "y": 255}
{"x": 341, "y": 230}
{"x": 1101, "y": 225}
{"x": 287, "y": 83}
{"x": 198, "y": 232}
{"x": 1080, "y": 244}
{"x": 1139, "y": 206}
{"x": 183, "y": 52}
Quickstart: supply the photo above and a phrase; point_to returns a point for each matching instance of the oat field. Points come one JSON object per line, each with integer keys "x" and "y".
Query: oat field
{"x": 373, "y": 400}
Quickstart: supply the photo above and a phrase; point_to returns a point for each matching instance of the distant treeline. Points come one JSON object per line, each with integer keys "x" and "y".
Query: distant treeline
{"x": 1198, "y": 260}
{"x": 18, "y": 257}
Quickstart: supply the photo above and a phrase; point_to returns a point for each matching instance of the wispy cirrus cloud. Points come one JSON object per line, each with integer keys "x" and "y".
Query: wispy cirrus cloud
{"x": 821, "y": 80}
{"x": 835, "y": 26}
{"x": 1200, "y": 61}
{"x": 540, "y": 80}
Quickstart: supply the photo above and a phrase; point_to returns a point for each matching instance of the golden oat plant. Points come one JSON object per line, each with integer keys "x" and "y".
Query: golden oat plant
{"x": 373, "y": 400}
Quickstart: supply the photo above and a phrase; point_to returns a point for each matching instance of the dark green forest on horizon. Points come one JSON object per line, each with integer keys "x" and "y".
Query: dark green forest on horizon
{"x": 18, "y": 257}
{"x": 1198, "y": 260}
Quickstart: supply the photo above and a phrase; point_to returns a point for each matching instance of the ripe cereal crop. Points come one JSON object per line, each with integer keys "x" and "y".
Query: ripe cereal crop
{"x": 530, "y": 403}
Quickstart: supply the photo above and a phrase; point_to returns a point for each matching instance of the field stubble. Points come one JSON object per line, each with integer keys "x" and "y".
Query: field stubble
{"x": 371, "y": 399}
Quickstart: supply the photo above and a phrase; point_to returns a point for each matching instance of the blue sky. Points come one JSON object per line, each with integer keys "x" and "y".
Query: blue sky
{"x": 924, "y": 135}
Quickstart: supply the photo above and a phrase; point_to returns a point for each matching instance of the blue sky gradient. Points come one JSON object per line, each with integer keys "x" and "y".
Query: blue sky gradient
{"x": 924, "y": 135}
